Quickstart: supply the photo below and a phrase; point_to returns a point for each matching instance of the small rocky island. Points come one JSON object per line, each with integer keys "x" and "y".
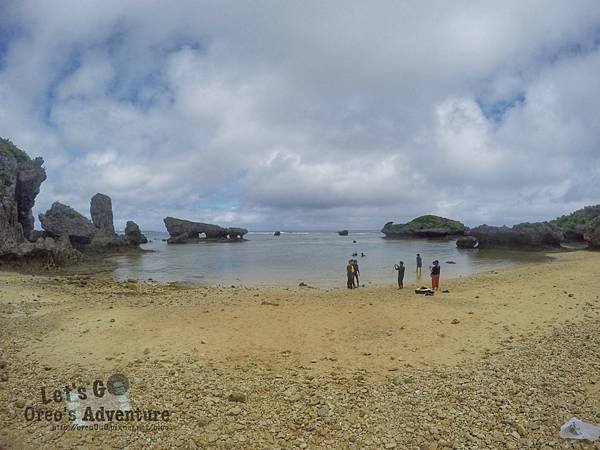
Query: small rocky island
{"x": 581, "y": 226}
{"x": 184, "y": 231}
{"x": 428, "y": 226}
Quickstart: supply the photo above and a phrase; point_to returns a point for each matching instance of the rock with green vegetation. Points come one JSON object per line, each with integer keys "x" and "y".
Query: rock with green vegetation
{"x": 8, "y": 149}
{"x": 574, "y": 225}
{"x": 20, "y": 181}
{"x": 592, "y": 233}
{"x": 424, "y": 226}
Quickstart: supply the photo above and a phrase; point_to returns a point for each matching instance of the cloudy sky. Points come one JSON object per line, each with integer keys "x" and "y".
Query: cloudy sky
{"x": 307, "y": 114}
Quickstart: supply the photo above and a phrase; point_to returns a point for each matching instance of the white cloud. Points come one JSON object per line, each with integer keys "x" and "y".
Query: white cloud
{"x": 309, "y": 115}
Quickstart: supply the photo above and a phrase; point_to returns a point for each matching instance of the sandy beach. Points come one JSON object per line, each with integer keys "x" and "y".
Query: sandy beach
{"x": 501, "y": 361}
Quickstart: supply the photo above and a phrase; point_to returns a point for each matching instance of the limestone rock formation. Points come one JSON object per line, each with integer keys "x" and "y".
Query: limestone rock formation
{"x": 524, "y": 235}
{"x": 592, "y": 233}
{"x": 182, "y": 231}
{"x": 56, "y": 252}
{"x": 102, "y": 214}
{"x": 91, "y": 238}
{"x": 105, "y": 239}
{"x": 20, "y": 180}
{"x": 29, "y": 180}
{"x": 62, "y": 220}
{"x": 424, "y": 226}
{"x": 467, "y": 242}
{"x": 133, "y": 235}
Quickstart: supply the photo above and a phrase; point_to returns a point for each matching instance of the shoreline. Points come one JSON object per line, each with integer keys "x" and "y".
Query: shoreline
{"x": 317, "y": 367}
{"x": 99, "y": 266}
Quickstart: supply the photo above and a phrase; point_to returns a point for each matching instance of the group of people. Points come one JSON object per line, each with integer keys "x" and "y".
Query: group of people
{"x": 434, "y": 272}
{"x": 353, "y": 272}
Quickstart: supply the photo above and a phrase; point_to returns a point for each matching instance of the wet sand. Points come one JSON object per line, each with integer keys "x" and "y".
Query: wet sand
{"x": 501, "y": 361}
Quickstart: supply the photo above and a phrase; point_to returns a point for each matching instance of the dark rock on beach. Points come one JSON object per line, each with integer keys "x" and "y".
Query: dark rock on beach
{"x": 466, "y": 242}
{"x": 343, "y": 232}
{"x": 20, "y": 181}
{"x": 29, "y": 179}
{"x": 105, "y": 239}
{"x": 182, "y": 231}
{"x": 424, "y": 226}
{"x": 62, "y": 220}
{"x": 67, "y": 234}
{"x": 133, "y": 235}
{"x": 524, "y": 235}
{"x": 102, "y": 214}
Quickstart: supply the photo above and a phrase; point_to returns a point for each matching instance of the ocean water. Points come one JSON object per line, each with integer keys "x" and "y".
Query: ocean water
{"x": 316, "y": 258}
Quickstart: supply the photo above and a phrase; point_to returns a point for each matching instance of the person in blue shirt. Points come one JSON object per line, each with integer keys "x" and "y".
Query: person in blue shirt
{"x": 419, "y": 264}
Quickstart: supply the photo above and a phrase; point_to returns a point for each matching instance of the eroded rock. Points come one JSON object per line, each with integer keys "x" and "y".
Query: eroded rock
{"x": 524, "y": 235}
{"x": 466, "y": 242}
{"x": 102, "y": 214}
{"x": 133, "y": 235}
{"x": 62, "y": 220}
{"x": 182, "y": 231}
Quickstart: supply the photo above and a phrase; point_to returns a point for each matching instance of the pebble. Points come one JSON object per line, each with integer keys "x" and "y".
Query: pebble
{"x": 237, "y": 397}
{"x": 235, "y": 411}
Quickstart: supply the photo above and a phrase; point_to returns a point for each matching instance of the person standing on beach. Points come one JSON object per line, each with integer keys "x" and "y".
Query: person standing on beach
{"x": 435, "y": 276}
{"x": 356, "y": 273}
{"x": 350, "y": 274}
{"x": 400, "y": 268}
{"x": 419, "y": 264}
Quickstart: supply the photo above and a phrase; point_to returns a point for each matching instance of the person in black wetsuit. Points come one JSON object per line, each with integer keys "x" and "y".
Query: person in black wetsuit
{"x": 400, "y": 268}
{"x": 356, "y": 273}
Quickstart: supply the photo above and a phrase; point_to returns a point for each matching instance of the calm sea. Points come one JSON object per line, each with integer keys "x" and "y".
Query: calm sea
{"x": 316, "y": 258}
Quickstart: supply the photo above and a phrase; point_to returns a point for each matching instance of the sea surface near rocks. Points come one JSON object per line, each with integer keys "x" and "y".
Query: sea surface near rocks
{"x": 315, "y": 258}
